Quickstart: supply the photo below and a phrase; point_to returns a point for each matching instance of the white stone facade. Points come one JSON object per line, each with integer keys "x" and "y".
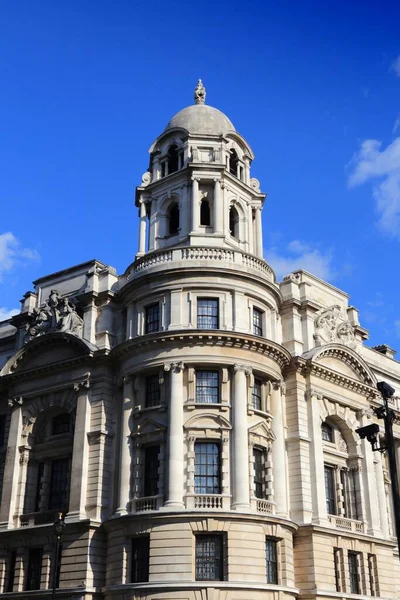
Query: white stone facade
{"x": 193, "y": 418}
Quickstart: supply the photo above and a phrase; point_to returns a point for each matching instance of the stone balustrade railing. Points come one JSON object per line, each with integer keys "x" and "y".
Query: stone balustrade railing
{"x": 347, "y": 524}
{"x": 208, "y": 501}
{"x": 147, "y": 503}
{"x": 265, "y": 507}
{"x": 203, "y": 254}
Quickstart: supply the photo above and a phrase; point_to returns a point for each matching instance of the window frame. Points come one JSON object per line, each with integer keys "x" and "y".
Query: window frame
{"x": 140, "y": 565}
{"x": 354, "y": 572}
{"x": 204, "y": 487}
{"x": 271, "y": 564}
{"x": 10, "y": 571}
{"x": 148, "y": 323}
{"x": 215, "y": 301}
{"x": 149, "y": 401}
{"x": 214, "y": 390}
{"x": 219, "y": 568}
{"x": 258, "y": 323}
{"x": 331, "y": 499}
{"x": 257, "y": 384}
{"x": 262, "y": 474}
{"x": 152, "y": 477}
{"x": 34, "y": 577}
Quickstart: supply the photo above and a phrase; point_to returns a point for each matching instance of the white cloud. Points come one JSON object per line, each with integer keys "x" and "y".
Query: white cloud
{"x": 300, "y": 255}
{"x": 396, "y": 66}
{"x": 12, "y": 254}
{"x": 372, "y": 162}
{"x": 5, "y": 313}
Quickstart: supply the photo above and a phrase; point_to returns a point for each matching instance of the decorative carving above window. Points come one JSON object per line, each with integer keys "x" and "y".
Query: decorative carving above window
{"x": 56, "y": 314}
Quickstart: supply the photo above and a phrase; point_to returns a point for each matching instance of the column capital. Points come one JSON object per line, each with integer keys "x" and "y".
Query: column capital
{"x": 279, "y": 385}
{"x": 195, "y": 178}
{"x": 313, "y": 393}
{"x": 16, "y": 401}
{"x": 176, "y": 367}
{"x": 242, "y": 368}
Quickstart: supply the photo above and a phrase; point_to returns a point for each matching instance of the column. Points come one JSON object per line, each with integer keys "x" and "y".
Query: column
{"x": 80, "y": 455}
{"x": 217, "y": 207}
{"x": 124, "y": 474}
{"x": 240, "y": 498}
{"x": 142, "y": 228}
{"x": 174, "y": 498}
{"x": 11, "y": 467}
{"x": 259, "y": 240}
{"x": 380, "y": 484}
{"x": 279, "y": 448}
{"x": 183, "y": 210}
{"x": 195, "y": 203}
{"x": 320, "y": 514}
{"x": 369, "y": 480}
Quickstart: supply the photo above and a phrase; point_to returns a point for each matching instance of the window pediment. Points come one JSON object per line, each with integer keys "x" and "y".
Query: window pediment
{"x": 148, "y": 427}
{"x": 207, "y": 421}
{"x": 262, "y": 433}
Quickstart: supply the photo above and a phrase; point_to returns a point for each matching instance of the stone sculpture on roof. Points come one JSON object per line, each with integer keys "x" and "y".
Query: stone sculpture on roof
{"x": 199, "y": 93}
{"x": 332, "y": 326}
{"x": 56, "y": 314}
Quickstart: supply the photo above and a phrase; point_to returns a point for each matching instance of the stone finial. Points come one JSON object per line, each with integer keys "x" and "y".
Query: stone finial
{"x": 199, "y": 93}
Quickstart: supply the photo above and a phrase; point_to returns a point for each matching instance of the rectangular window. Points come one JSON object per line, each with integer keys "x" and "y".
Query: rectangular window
{"x": 153, "y": 392}
{"x": 271, "y": 554}
{"x": 152, "y": 318}
{"x": 256, "y": 395}
{"x": 326, "y": 432}
{"x": 207, "y": 313}
{"x": 59, "y": 484}
{"x": 330, "y": 490}
{"x": 207, "y": 471}
{"x": 348, "y": 481}
{"x": 2, "y": 430}
{"x": 372, "y": 574}
{"x": 150, "y": 475}
{"x": 354, "y": 573}
{"x": 260, "y": 458}
{"x": 336, "y": 562}
{"x": 140, "y": 559}
{"x": 209, "y": 558}
{"x": 257, "y": 321}
{"x": 34, "y": 571}
{"x": 9, "y": 583}
{"x": 207, "y": 387}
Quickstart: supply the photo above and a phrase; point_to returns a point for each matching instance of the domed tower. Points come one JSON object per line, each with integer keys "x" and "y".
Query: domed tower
{"x": 202, "y": 434}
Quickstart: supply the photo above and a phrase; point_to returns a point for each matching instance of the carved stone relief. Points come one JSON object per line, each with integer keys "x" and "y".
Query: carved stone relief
{"x": 331, "y": 325}
{"x": 56, "y": 314}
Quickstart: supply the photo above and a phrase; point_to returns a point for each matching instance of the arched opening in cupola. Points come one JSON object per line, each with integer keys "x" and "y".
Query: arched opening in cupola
{"x": 173, "y": 159}
{"x": 173, "y": 219}
{"x": 234, "y": 222}
{"x": 205, "y": 213}
{"x": 233, "y": 163}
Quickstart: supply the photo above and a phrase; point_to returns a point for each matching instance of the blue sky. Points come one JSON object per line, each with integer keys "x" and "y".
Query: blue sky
{"x": 313, "y": 86}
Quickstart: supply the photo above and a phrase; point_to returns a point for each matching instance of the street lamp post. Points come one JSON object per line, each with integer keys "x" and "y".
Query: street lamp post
{"x": 371, "y": 432}
{"x": 58, "y": 528}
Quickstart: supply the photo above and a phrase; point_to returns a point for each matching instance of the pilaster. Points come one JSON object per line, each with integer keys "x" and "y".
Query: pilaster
{"x": 125, "y": 446}
{"x": 11, "y": 468}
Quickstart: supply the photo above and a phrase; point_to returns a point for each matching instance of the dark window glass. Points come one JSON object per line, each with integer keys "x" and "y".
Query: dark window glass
{"x": 257, "y": 321}
{"x": 330, "y": 490}
{"x": 9, "y": 583}
{"x": 152, "y": 391}
{"x": 34, "y": 572}
{"x": 353, "y": 573}
{"x": 59, "y": 484}
{"x": 260, "y": 457}
{"x": 205, "y": 217}
{"x": 140, "y": 559}
{"x": 151, "y": 465}
{"x": 348, "y": 481}
{"x": 207, "y": 313}
{"x": 234, "y": 222}
{"x": 61, "y": 424}
{"x": 336, "y": 558}
{"x": 233, "y": 163}
{"x": 209, "y": 558}
{"x": 327, "y": 432}
{"x": 272, "y": 560}
{"x": 173, "y": 223}
{"x": 38, "y": 496}
{"x": 207, "y": 387}
{"x": 256, "y": 395}
{"x": 2, "y": 430}
{"x": 173, "y": 160}
{"x": 207, "y": 473}
{"x": 372, "y": 574}
{"x": 152, "y": 318}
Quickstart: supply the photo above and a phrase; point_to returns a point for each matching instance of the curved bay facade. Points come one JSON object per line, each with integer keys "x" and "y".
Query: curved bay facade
{"x": 192, "y": 418}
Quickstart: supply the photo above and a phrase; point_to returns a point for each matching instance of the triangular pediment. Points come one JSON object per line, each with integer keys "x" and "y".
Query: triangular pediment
{"x": 262, "y": 432}
{"x": 147, "y": 427}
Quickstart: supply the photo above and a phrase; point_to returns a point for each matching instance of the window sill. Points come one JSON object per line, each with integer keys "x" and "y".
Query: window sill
{"x": 223, "y": 407}
{"x": 263, "y": 413}
{"x": 144, "y": 409}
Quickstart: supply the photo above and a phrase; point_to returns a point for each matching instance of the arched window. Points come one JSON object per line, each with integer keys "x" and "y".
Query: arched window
{"x": 173, "y": 219}
{"x": 173, "y": 159}
{"x": 205, "y": 217}
{"x": 233, "y": 163}
{"x": 234, "y": 222}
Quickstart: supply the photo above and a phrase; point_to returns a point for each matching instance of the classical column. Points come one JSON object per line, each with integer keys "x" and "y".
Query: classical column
{"x": 11, "y": 468}
{"x": 369, "y": 481}
{"x": 240, "y": 498}
{"x": 195, "y": 203}
{"x": 124, "y": 474}
{"x": 320, "y": 513}
{"x": 259, "y": 240}
{"x": 174, "y": 498}
{"x": 380, "y": 484}
{"x": 142, "y": 228}
{"x": 279, "y": 448}
{"x": 217, "y": 207}
{"x": 80, "y": 454}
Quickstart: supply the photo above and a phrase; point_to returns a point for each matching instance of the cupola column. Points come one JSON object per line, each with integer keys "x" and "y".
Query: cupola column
{"x": 195, "y": 203}
{"x": 240, "y": 439}
{"x": 174, "y": 497}
{"x": 142, "y": 229}
{"x": 259, "y": 240}
{"x": 217, "y": 206}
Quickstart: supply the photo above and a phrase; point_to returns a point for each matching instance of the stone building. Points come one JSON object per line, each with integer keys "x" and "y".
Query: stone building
{"x": 192, "y": 417}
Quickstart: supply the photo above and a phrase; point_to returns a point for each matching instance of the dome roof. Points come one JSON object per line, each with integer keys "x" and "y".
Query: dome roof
{"x": 201, "y": 118}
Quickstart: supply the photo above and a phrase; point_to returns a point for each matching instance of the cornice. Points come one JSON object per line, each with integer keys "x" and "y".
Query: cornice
{"x": 195, "y": 337}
